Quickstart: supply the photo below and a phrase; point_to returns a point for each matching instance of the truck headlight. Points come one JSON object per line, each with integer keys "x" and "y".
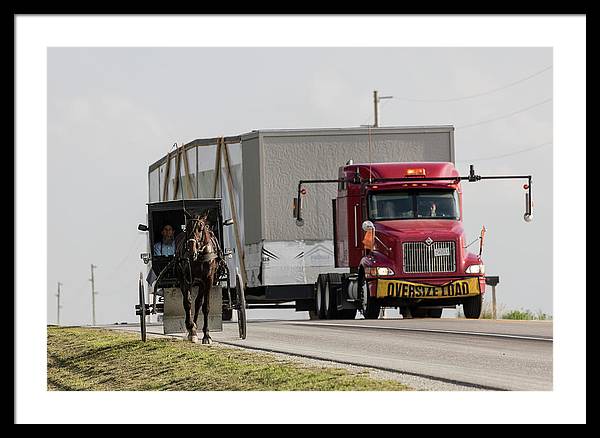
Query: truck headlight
{"x": 378, "y": 272}
{"x": 476, "y": 269}
{"x": 384, "y": 271}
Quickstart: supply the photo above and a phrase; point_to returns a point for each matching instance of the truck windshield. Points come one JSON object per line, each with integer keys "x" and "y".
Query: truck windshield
{"x": 413, "y": 204}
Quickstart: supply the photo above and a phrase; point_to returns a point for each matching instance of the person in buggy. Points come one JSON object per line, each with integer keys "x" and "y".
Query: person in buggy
{"x": 166, "y": 246}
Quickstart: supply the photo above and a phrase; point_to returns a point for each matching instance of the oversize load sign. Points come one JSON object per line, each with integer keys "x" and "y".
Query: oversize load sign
{"x": 406, "y": 289}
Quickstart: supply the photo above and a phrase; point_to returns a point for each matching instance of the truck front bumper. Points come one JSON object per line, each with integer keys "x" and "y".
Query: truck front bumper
{"x": 425, "y": 289}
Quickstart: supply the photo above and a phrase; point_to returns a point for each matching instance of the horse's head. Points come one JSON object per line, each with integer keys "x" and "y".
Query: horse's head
{"x": 197, "y": 234}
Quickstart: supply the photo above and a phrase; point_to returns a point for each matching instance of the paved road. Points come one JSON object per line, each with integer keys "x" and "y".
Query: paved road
{"x": 481, "y": 354}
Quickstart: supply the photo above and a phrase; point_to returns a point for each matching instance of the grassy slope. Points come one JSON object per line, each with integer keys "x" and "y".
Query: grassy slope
{"x": 97, "y": 360}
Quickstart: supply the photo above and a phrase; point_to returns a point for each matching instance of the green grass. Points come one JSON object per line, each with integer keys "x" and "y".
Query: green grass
{"x": 85, "y": 359}
{"x": 525, "y": 314}
{"x": 502, "y": 313}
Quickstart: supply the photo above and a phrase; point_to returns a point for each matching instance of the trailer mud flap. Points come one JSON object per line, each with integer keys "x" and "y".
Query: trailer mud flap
{"x": 406, "y": 289}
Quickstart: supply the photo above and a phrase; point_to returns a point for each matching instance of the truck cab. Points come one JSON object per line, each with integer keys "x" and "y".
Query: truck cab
{"x": 399, "y": 229}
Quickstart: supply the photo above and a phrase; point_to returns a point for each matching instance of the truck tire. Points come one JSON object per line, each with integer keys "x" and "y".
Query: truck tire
{"x": 319, "y": 297}
{"x": 330, "y": 298}
{"x": 312, "y": 315}
{"x": 472, "y": 307}
{"x": 371, "y": 307}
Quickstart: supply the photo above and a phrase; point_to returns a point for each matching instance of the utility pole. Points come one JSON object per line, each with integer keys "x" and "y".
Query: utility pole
{"x": 376, "y": 100}
{"x": 93, "y": 296}
{"x": 58, "y": 305}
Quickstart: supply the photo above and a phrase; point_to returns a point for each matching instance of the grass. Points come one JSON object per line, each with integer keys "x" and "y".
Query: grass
{"x": 502, "y": 313}
{"x": 85, "y": 359}
{"x": 526, "y": 314}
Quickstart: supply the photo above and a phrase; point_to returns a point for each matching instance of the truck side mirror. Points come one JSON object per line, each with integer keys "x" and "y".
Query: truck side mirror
{"x": 228, "y": 222}
{"x": 296, "y": 206}
{"x": 368, "y": 225}
{"x": 481, "y": 236}
{"x": 527, "y": 216}
{"x": 142, "y": 227}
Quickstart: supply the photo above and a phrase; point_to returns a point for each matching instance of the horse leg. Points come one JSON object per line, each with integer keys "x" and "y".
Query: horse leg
{"x": 205, "y": 309}
{"x": 197, "y": 304}
{"x": 187, "y": 306}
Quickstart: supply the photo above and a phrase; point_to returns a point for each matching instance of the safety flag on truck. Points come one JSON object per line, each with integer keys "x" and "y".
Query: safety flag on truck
{"x": 369, "y": 239}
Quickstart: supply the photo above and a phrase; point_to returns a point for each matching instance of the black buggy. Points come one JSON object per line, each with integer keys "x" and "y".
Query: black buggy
{"x": 175, "y": 214}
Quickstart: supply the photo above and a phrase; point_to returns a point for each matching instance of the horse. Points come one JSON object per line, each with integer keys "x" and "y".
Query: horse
{"x": 198, "y": 261}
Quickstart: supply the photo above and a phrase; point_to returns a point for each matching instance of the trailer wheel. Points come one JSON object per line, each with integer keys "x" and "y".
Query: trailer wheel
{"x": 320, "y": 298}
{"x": 472, "y": 307}
{"x": 370, "y": 306}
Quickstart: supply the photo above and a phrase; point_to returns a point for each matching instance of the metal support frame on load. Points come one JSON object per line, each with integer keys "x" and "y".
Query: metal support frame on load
{"x": 236, "y": 223}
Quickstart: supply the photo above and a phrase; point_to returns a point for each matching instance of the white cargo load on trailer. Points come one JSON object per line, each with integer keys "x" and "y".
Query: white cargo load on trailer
{"x": 266, "y": 166}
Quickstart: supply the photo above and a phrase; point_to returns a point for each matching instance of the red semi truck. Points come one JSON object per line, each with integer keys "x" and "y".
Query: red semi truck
{"x": 398, "y": 227}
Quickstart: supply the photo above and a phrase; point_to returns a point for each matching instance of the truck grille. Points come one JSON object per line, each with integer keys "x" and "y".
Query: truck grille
{"x": 420, "y": 258}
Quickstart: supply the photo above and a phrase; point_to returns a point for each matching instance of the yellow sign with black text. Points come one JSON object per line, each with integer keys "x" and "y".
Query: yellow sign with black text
{"x": 406, "y": 289}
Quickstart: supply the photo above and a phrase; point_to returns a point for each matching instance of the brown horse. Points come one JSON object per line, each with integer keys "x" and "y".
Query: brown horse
{"x": 198, "y": 261}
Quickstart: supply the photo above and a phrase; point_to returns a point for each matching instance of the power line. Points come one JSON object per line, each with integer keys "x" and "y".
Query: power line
{"x": 505, "y": 116}
{"x": 94, "y": 293}
{"x": 508, "y": 154}
{"x": 472, "y": 96}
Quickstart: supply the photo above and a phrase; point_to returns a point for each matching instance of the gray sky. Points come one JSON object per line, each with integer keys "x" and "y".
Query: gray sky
{"x": 114, "y": 111}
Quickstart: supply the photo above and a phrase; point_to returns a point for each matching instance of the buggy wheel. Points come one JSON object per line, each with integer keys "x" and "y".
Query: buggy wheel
{"x": 142, "y": 309}
{"x": 240, "y": 305}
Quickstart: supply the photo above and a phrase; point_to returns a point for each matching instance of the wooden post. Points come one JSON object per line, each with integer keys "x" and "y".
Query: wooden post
{"x": 187, "y": 177}
{"x": 166, "y": 181}
{"x": 236, "y": 223}
{"x": 217, "y": 168}
{"x": 177, "y": 172}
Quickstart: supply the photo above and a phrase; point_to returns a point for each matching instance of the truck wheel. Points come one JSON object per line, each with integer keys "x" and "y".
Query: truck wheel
{"x": 472, "y": 307}
{"x": 320, "y": 298}
{"x": 312, "y": 315}
{"x": 371, "y": 307}
{"x": 330, "y": 299}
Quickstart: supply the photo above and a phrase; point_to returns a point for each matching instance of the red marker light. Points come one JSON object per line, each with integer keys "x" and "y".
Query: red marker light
{"x": 303, "y": 192}
{"x": 525, "y": 186}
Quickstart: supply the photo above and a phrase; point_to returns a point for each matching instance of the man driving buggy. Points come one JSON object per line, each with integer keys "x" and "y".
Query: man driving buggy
{"x": 166, "y": 246}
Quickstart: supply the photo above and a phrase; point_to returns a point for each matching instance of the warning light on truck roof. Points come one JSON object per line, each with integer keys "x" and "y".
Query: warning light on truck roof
{"x": 415, "y": 172}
